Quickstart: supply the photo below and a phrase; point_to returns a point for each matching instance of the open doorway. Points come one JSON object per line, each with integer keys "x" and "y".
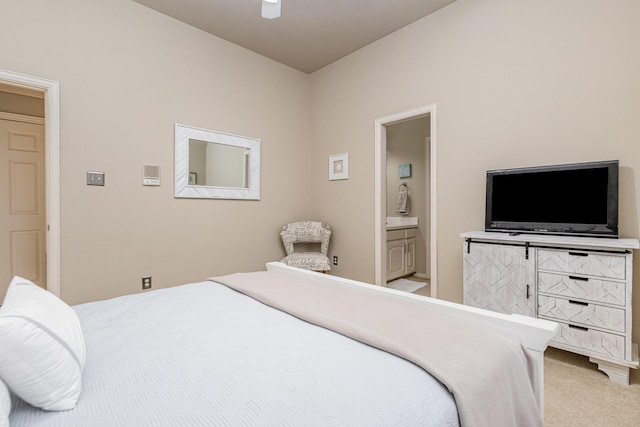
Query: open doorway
{"x": 403, "y": 255}
{"x": 51, "y": 180}
{"x": 407, "y": 216}
{"x": 22, "y": 183}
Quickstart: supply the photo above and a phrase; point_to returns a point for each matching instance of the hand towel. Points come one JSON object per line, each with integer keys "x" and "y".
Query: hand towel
{"x": 403, "y": 198}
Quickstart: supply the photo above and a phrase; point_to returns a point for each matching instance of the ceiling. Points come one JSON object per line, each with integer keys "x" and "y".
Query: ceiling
{"x": 309, "y": 34}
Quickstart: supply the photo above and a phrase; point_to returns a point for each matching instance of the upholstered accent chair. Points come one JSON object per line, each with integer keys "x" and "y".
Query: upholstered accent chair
{"x": 307, "y": 232}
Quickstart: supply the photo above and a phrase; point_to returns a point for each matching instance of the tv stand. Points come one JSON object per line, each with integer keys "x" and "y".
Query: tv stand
{"x": 584, "y": 284}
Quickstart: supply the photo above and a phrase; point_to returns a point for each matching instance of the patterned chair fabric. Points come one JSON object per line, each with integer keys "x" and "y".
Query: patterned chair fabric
{"x": 306, "y": 232}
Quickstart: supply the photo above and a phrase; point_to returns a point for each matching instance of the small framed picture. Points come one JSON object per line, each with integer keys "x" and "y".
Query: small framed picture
{"x": 193, "y": 178}
{"x": 338, "y": 166}
{"x": 404, "y": 171}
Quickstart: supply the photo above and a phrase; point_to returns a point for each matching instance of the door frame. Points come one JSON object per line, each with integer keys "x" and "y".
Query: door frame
{"x": 52, "y": 164}
{"x": 381, "y": 192}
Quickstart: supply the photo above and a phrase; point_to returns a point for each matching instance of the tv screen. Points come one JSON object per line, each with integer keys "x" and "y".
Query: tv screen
{"x": 579, "y": 198}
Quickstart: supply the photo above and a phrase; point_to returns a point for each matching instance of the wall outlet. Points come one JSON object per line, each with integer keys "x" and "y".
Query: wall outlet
{"x": 146, "y": 282}
{"x": 335, "y": 260}
{"x": 95, "y": 178}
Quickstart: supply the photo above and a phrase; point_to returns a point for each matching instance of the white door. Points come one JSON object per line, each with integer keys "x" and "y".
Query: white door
{"x": 22, "y": 203}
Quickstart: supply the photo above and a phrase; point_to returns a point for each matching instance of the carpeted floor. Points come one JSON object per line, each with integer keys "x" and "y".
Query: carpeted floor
{"x": 577, "y": 394}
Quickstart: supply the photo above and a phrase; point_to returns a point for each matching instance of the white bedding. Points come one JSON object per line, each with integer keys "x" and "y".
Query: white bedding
{"x": 204, "y": 355}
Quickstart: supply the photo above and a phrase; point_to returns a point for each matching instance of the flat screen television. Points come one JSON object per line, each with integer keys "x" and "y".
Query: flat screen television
{"x": 573, "y": 199}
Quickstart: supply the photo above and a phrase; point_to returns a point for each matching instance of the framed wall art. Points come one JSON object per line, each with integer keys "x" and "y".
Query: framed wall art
{"x": 404, "y": 171}
{"x": 338, "y": 166}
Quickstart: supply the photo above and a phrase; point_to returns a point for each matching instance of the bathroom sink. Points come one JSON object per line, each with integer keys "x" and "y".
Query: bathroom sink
{"x": 396, "y": 222}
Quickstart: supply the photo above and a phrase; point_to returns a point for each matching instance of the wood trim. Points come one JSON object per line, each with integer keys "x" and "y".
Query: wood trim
{"x": 380, "y": 201}
{"x": 21, "y": 118}
{"x": 21, "y": 90}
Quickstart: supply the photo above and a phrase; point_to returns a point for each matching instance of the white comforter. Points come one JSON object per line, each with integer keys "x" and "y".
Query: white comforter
{"x": 205, "y": 355}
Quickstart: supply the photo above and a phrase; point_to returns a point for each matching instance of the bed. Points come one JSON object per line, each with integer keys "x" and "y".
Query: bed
{"x": 283, "y": 347}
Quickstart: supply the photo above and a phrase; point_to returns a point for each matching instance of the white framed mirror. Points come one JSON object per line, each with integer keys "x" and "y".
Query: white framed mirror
{"x": 216, "y": 165}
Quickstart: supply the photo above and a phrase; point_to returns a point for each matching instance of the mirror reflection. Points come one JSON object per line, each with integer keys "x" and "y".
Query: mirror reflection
{"x": 213, "y": 164}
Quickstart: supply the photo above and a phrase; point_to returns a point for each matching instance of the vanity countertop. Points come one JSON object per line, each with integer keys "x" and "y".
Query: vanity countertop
{"x": 400, "y": 222}
{"x": 400, "y": 227}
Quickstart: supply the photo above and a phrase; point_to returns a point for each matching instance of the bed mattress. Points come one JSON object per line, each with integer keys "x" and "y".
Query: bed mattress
{"x": 205, "y": 355}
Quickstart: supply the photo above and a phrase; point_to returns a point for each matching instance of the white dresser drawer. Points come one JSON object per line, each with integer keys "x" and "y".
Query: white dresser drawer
{"x": 583, "y": 288}
{"x": 576, "y": 312}
{"x": 603, "y": 343}
{"x": 582, "y": 263}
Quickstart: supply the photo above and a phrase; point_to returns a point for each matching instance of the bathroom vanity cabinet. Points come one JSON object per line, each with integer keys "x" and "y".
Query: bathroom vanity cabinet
{"x": 401, "y": 252}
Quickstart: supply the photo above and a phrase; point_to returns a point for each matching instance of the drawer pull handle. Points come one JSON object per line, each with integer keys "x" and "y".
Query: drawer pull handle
{"x": 528, "y": 294}
{"x": 586, "y": 304}
{"x": 578, "y": 254}
{"x": 582, "y": 328}
{"x": 584, "y": 279}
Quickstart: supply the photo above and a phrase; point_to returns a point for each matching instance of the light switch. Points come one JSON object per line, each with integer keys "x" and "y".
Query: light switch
{"x": 95, "y": 178}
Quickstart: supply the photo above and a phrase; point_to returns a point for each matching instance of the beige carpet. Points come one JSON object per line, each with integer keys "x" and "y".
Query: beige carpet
{"x": 577, "y": 394}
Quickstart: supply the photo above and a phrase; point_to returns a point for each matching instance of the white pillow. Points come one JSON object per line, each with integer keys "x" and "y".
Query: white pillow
{"x": 5, "y": 405}
{"x": 42, "y": 349}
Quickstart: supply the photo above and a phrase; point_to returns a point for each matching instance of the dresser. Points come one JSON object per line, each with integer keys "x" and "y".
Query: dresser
{"x": 584, "y": 284}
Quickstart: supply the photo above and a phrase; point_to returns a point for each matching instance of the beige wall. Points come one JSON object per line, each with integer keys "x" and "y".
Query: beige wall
{"x": 516, "y": 83}
{"x": 127, "y": 75}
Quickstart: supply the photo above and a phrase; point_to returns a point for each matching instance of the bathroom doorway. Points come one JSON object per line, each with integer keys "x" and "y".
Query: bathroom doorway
{"x": 405, "y": 199}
